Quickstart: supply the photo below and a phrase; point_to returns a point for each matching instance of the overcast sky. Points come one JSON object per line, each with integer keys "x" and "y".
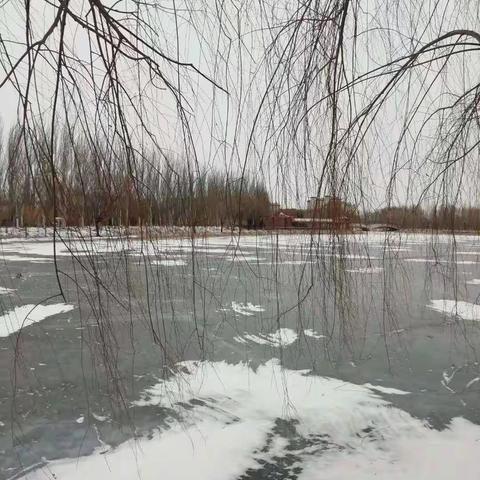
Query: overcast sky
{"x": 273, "y": 121}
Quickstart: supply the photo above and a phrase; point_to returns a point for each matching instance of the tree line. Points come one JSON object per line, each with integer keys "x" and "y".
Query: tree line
{"x": 436, "y": 217}
{"x": 88, "y": 181}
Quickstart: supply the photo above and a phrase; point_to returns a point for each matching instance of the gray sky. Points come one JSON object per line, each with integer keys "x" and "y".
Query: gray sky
{"x": 261, "y": 124}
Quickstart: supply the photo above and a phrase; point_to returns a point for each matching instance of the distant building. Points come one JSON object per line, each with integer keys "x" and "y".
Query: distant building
{"x": 279, "y": 221}
{"x": 327, "y": 213}
{"x": 274, "y": 208}
{"x": 330, "y": 206}
{"x": 337, "y": 224}
{"x": 319, "y": 203}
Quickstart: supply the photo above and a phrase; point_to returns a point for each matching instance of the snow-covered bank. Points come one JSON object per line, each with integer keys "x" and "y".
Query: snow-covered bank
{"x": 26, "y": 315}
{"x": 236, "y": 420}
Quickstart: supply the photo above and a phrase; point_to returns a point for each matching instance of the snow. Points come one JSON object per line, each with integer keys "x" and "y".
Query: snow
{"x": 99, "y": 418}
{"x": 26, "y": 315}
{"x": 472, "y": 382}
{"x": 425, "y": 454}
{"x": 313, "y": 334}
{"x": 244, "y": 248}
{"x": 170, "y": 262}
{"x": 23, "y": 258}
{"x": 366, "y": 270}
{"x": 6, "y": 291}
{"x": 342, "y": 431}
{"x": 355, "y": 257}
{"x": 474, "y": 281}
{"x": 240, "y": 339}
{"x": 423, "y": 260}
{"x": 386, "y": 390}
{"x": 438, "y": 261}
{"x": 456, "y": 308}
{"x": 281, "y": 338}
{"x": 244, "y": 258}
{"x": 246, "y": 309}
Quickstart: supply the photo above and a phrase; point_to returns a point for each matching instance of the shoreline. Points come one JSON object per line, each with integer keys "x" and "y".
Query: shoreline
{"x": 179, "y": 232}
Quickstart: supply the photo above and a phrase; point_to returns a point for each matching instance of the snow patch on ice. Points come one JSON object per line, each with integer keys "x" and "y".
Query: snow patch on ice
{"x": 170, "y": 262}
{"x": 422, "y": 454}
{"x": 281, "y": 338}
{"x": 423, "y": 260}
{"x": 99, "y": 418}
{"x": 440, "y": 261}
{"x": 247, "y": 309}
{"x": 313, "y": 334}
{"x": 244, "y": 258}
{"x": 387, "y": 390}
{"x": 6, "y": 291}
{"x": 366, "y": 270}
{"x": 230, "y": 416}
{"x": 21, "y": 258}
{"x": 26, "y": 315}
{"x": 472, "y": 382}
{"x": 456, "y": 308}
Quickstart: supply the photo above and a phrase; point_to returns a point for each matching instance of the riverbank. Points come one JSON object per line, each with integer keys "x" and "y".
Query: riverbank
{"x": 183, "y": 232}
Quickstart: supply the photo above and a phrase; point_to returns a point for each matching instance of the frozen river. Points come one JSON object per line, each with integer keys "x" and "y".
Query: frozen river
{"x": 278, "y": 357}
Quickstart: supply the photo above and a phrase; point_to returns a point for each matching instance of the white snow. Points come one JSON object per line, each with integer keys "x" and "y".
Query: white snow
{"x": 26, "y": 315}
{"x": 100, "y": 418}
{"x": 6, "y": 291}
{"x": 474, "y": 281}
{"x": 423, "y": 260}
{"x": 356, "y": 257}
{"x": 312, "y": 333}
{"x": 472, "y": 382}
{"x": 387, "y": 390}
{"x": 24, "y": 258}
{"x": 170, "y": 262}
{"x": 366, "y": 270}
{"x": 281, "y": 338}
{"x": 456, "y": 308}
{"x": 240, "y": 339}
{"x": 246, "y": 309}
{"x": 422, "y": 454}
{"x": 233, "y": 429}
{"x": 440, "y": 261}
{"x": 243, "y": 258}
